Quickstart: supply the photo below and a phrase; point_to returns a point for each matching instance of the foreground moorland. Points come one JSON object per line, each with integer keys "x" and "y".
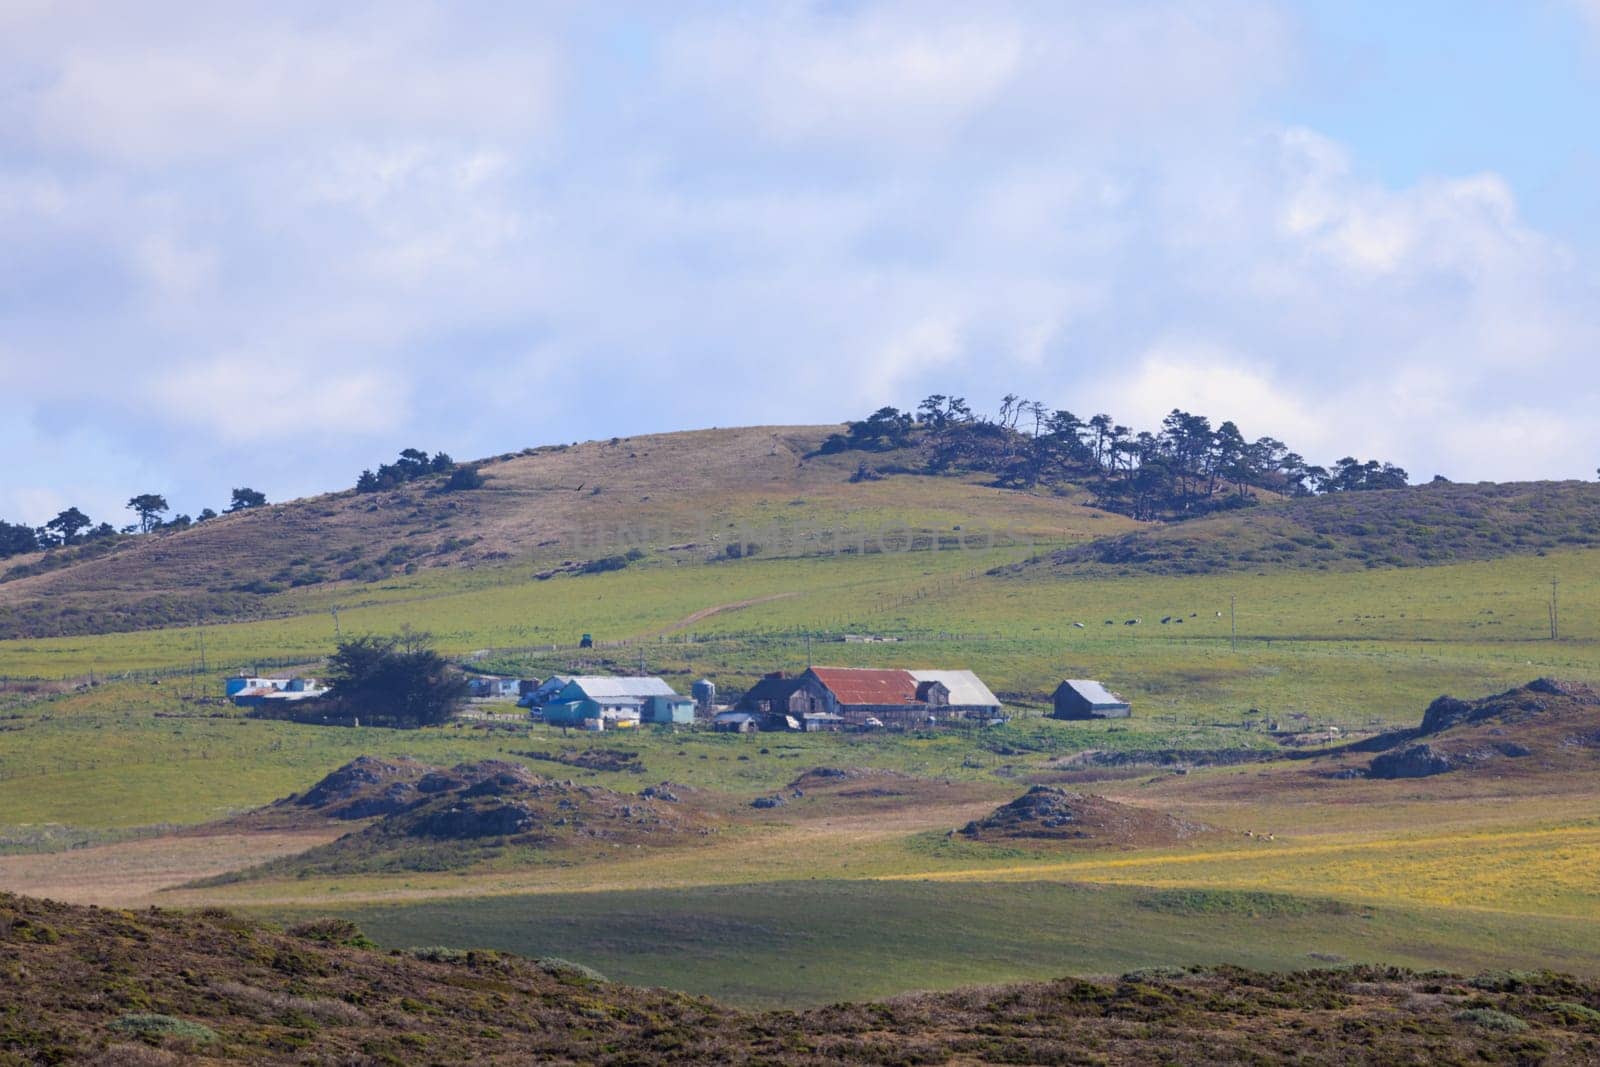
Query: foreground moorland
{"x": 149, "y": 988}
{"x": 1262, "y": 649}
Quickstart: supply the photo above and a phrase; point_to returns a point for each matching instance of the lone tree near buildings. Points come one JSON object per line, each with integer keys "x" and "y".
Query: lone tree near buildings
{"x": 244, "y": 499}
{"x": 149, "y": 507}
{"x": 395, "y": 680}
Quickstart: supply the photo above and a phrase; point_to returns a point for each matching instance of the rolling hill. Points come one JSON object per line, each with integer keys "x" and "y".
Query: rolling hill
{"x": 684, "y": 496}
{"x": 1420, "y": 526}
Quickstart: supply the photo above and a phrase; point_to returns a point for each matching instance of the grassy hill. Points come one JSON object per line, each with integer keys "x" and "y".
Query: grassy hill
{"x": 676, "y": 497}
{"x": 1424, "y": 525}
{"x": 155, "y": 988}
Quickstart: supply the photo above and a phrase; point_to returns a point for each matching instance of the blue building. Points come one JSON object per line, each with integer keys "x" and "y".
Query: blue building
{"x": 615, "y": 702}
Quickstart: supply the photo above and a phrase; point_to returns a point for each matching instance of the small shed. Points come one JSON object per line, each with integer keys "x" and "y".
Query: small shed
{"x": 667, "y": 709}
{"x": 735, "y": 722}
{"x": 822, "y": 722}
{"x": 1082, "y": 698}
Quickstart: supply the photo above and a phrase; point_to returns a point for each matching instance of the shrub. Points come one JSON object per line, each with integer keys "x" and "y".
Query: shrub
{"x": 1490, "y": 1019}
{"x": 332, "y": 931}
{"x": 150, "y": 1024}
{"x": 133, "y": 1056}
{"x": 440, "y": 954}
{"x": 464, "y": 477}
{"x": 557, "y": 967}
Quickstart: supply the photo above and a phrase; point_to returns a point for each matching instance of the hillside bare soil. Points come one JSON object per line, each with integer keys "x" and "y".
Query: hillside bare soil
{"x": 98, "y": 986}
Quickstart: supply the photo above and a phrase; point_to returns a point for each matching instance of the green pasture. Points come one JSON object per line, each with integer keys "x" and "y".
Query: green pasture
{"x": 815, "y": 942}
{"x": 1498, "y": 604}
{"x": 1351, "y": 649}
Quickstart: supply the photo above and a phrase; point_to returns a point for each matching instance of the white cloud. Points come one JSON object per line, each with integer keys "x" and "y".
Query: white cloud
{"x": 252, "y": 398}
{"x": 163, "y": 83}
{"x": 380, "y": 219}
{"x": 1210, "y": 379}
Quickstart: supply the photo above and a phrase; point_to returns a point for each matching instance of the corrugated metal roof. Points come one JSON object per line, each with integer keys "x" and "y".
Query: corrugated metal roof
{"x": 1092, "y": 691}
{"x": 966, "y": 688}
{"x": 865, "y": 685}
{"x": 599, "y": 687}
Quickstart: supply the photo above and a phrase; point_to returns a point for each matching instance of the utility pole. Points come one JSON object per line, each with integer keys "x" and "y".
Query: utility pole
{"x": 808, "y": 651}
{"x": 338, "y": 635}
{"x": 202, "y": 634}
{"x": 1233, "y": 621}
{"x": 1555, "y": 611}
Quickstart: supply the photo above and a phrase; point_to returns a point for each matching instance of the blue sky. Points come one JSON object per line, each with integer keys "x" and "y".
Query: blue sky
{"x": 270, "y": 246}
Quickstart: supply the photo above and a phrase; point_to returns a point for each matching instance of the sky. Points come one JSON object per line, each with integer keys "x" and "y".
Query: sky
{"x": 269, "y": 245}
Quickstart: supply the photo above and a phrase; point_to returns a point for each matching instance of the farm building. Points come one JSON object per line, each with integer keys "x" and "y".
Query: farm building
{"x": 539, "y": 695}
{"x": 1080, "y": 698}
{"x": 483, "y": 687}
{"x": 735, "y": 722}
{"x": 854, "y": 694}
{"x": 249, "y": 692}
{"x": 667, "y": 709}
{"x": 613, "y": 701}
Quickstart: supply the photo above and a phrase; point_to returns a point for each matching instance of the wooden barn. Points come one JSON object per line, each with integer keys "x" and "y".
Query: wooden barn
{"x": 1082, "y": 698}
{"x": 823, "y": 698}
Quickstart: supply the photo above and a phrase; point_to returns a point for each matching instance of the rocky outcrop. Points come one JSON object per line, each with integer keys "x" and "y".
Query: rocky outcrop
{"x": 1050, "y": 813}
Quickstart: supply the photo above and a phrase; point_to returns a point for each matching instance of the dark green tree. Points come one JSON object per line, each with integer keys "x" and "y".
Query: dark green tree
{"x": 68, "y": 524}
{"x": 244, "y": 499}
{"x": 465, "y": 476}
{"x": 149, "y": 507}
{"x": 399, "y": 680}
{"x": 16, "y": 539}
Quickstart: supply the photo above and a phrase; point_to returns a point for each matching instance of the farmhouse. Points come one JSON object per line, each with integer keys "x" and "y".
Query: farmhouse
{"x": 822, "y": 698}
{"x": 485, "y": 687}
{"x": 598, "y": 702}
{"x": 1080, "y": 698}
{"x": 247, "y": 692}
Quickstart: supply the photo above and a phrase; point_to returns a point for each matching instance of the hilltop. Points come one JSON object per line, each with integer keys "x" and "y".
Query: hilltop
{"x": 112, "y": 987}
{"x": 1422, "y": 525}
{"x": 553, "y": 510}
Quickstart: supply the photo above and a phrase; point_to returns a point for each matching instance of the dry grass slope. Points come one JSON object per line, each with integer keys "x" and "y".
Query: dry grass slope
{"x": 549, "y": 506}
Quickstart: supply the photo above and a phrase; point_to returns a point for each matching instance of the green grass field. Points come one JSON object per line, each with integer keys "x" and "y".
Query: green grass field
{"x": 802, "y": 909}
{"x": 817, "y": 942}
